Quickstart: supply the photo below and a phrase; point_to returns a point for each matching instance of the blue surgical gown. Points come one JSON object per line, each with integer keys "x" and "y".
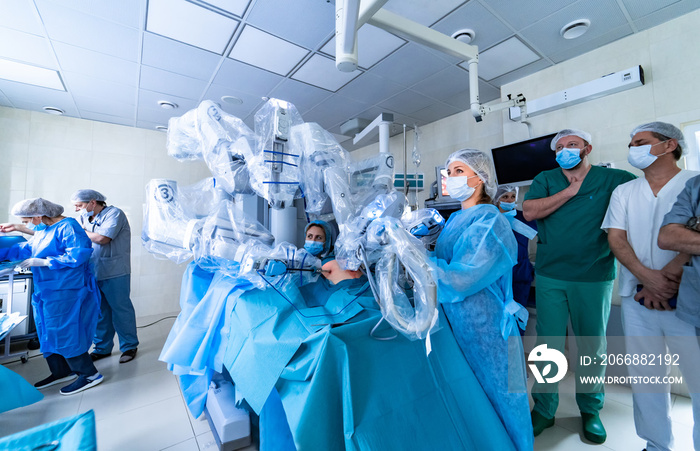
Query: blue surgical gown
{"x": 66, "y": 299}
{"x": 475, "y": 254}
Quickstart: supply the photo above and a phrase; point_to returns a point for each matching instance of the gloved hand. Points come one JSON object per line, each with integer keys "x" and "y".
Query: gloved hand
{"x": 34, "y": 262}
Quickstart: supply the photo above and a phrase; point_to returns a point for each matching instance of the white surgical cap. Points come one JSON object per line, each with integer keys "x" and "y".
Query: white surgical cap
{"x": 30, "y": 208}
{"x": 86, "y": 195}
{"x": 662, "y": 128}
{"x": 480, "y": 163}
{"x": 570, "y": 132}
{"x": 503, "y": 189}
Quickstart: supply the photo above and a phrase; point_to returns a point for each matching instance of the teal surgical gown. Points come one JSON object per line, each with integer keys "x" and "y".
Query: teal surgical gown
{"x": 66, "y": 299}
{"x": 475, "y": 254}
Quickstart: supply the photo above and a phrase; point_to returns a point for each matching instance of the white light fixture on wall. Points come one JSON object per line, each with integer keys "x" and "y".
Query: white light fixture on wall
{"x": 575, "y": 29}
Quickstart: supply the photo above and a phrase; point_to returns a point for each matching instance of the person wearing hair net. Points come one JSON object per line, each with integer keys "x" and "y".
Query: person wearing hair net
{"x": 650, "y": 277}
{"x": 319, "y": 241}
{"x": 109, "y": 231}
{"x": 475, "y": 254}
{"x": 575, "y": 271}
{"x": 66, "y": 299}
{"x": 523, "y": 271}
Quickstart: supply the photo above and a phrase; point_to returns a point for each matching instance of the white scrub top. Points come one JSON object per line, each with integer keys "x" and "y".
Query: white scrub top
{"x": 634, "y": 209}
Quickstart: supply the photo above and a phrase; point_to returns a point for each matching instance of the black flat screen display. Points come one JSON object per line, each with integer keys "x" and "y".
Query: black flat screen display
{"x": 519, "y": 163}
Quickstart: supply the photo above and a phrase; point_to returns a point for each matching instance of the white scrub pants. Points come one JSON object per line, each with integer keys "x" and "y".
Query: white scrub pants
{"x": 652, "y": 402}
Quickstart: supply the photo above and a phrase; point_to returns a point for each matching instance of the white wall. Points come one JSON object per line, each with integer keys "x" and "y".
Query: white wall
{"x": 52, "y": 156}
{"x": 668, "y": 54}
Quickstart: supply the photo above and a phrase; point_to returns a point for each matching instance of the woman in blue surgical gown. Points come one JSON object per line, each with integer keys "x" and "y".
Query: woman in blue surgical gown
{"x": 66, "y": 300}
{"x": 475, "y": 254}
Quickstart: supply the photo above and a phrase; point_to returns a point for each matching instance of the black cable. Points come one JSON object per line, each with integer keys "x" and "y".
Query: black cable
{"x": 155, "y": 322}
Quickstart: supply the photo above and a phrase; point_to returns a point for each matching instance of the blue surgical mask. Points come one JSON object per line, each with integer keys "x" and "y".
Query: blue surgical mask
{"x": 313, "y": 247}
{"x": 569, "y": 157}
{"x": 36, "y": 227}
{"x": 507, "y": 206}
{"x": 458, "y": 188}
{"x": 86, "y": 213}
{"x": 640, "y": 156}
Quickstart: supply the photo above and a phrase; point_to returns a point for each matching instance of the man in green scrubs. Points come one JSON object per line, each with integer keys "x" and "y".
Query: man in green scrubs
{"x": 575, "y": 271}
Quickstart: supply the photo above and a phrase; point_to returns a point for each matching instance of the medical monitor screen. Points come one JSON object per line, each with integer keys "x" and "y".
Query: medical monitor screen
{"x": 519, "y": 163}
{"x": 441, "y": 177}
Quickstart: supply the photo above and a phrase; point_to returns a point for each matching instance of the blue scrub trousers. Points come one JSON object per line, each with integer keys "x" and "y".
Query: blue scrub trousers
{"x": 116, "y": 315}
{"x": 61, "y": 366}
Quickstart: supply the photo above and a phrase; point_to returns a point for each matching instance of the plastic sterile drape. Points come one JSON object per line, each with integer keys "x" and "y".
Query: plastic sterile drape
{"x": 475, "y": 254}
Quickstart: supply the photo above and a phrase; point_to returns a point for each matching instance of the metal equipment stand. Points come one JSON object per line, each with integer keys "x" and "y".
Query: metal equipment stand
{"x": 7, "y": 355}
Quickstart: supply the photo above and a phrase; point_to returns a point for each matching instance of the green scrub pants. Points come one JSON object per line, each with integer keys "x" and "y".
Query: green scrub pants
{"x": 588, "y": 306}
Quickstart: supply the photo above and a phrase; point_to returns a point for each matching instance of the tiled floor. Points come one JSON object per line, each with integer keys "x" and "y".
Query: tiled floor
{"x": 140, "y": 407}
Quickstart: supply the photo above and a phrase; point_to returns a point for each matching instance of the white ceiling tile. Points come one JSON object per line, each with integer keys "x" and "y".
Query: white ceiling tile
{"x": 82, "y": 85}
{"x": 177, "y": 57}
{"x": 246, "y": 78}
{"x": 266, "y": 51}
{"x": 303, "y": 96}
{"x": 22, "y": 16}
{"x": 150, "y": 99}
{"x": 373, "y": 44}
{"x": 90, "y": 32}
{"x": 407, "y": 102}
{"x": 112, "y": 107}
{"x": 21, "y": 92}
{"x": 334, "y": 110}
{"x": 321, "y": 71}
{"x": 444, "y": 84}
{"x": 523, "y": 13}
{"x": 488, "y": 29}
{"x": 409, "y": 65}
{"x": 187, "y": 22}
{"x": 503, "y": 58}
{"x": 250, "y": 103}
{"x": 29, "y": 74}
{"x": 102, "y": 117}
{"x": 26, "y": 47}
{"x": 425, "y": 13}
{"x": 124, "y": 12}
{"x": 95, "y": 64}
{"x": 236, "y": 7}
{"x": 308, "y": 23}
{"x": 369, "y": 88}
{"x": 169, "y": 83}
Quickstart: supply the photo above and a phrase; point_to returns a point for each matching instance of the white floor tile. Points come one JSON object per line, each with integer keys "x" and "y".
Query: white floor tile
{"x": 187, "y": 445}
{"x": 114, "y": 397}
{"x": 153, "y": 427}
{"x": 207, "y": 442}
{"x": 682, "y": 411}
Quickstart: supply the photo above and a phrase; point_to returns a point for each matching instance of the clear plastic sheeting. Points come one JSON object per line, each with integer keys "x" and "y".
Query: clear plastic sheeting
{"x": 223, "y": 141}
{"x": 274, "y": 168}
{"x": 174, "y": 217}
{"x": 353, "y": 236}
{"x": 424, "y": 224}
{"x": 320, "y": 151}
{"x": 264, "y": 266}
{"x": 418, "y": 317}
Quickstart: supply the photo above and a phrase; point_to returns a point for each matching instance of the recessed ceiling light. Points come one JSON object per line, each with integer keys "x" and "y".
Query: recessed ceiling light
{"x": 167, "y": 105}
{"x": 232, "y": 100}
{"x": 574, "y": 29}
{"x": 53, "y": 110}
{"x": 31, "y": 75}
{"x": 161, "y": 127}
{"x": 465, "y": 35}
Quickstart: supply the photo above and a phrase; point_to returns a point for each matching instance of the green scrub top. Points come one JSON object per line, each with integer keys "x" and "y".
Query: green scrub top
{"x": 571, "y": 245}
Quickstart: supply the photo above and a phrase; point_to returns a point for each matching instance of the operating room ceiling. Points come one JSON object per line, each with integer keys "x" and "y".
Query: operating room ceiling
{"x": 114, "y": 60}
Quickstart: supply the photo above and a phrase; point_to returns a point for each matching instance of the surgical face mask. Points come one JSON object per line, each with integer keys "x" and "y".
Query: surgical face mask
{"x": 36, "y": 227}
{"x": 569, "y": 157}
{"x": 86, "y": 214}
{"x": 640, "y": 156}
{"x": 313, "y": 247}
{"x": 458, "y": 187}
{"x": 507, "y": 206}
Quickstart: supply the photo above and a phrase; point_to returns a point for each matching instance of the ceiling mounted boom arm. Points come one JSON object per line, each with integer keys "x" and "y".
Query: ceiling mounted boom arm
{"x": 350, "y": 15}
